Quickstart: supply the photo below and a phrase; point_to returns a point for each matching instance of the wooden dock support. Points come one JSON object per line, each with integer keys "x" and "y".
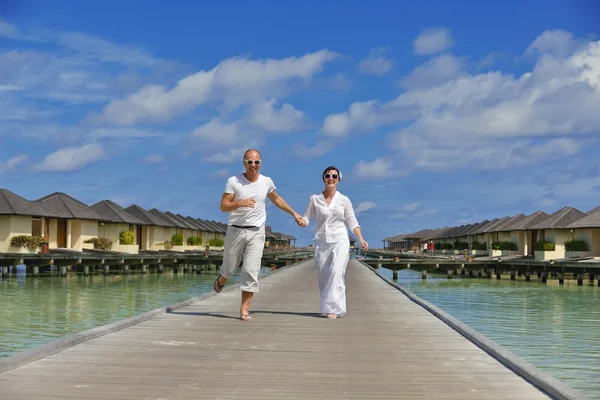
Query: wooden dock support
{"x": 561, "y": 278}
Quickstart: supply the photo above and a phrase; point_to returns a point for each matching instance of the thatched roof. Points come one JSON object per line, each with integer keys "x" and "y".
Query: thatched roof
{"x": 483, "y": 227}
{"x": 65, "y": 206}
{"x": 170, "y": 221}
{"x": 147, "y": 217}
{"x": 112, "y": 212}
{"x": 439, "y": 232}
{"x": 594, "y": 210}
{"x": 201, "y": 223}
{"x": 461, "y": 231}
{"x": 590, "y": 221}
{"x": 560, "y": 219}
{"x": 13, "y": 204}
{"x": 525, "y": 223}
{"x": 474, "y": 227}
{"x": 184, "y": 224}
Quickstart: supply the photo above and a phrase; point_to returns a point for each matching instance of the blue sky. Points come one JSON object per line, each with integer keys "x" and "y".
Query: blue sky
{"x": 438, "y": 113}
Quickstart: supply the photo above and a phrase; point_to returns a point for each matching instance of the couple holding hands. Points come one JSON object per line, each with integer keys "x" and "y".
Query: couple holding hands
{"x": 244, "y": 199}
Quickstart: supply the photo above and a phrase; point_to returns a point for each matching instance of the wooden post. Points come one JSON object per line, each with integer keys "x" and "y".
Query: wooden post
{"x": 144, "y": 269}
{"x": 424, "y": 274}
{"x": 86, "y": 270}
{"x": 561, "y": 278}
{"x": 544, "y": 277}
{"x": 449, "y": 274}
{"x": 513, "y": 275}
{"x": 160, "y": 268}
{"x": 527, "y": 276}
{"x": 106, "y": 269}
{"x": 4, "y": 272}
{"x": 395, "y": 275}
{"x": 63, "y": 270}
{"x": 580, "y": 279}
{"x": 36, "y": 271}
{"x": 498, "y": 273}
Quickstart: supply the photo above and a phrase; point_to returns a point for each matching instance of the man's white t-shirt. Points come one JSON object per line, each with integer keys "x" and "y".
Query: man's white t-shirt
{"x": 242, "y": 188}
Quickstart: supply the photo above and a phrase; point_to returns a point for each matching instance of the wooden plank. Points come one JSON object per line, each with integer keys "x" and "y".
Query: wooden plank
{"x": 385, "y": 347}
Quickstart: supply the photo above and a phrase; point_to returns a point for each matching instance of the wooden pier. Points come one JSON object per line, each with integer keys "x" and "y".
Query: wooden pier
{"x": 388, "y": 346}
{"x": 488, "y": 267}
{"x": 107, "y": 262}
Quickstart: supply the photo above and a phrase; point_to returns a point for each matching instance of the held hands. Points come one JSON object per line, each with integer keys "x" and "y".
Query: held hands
{"x": 249, "y": 202}
{"x": 300, "y": 221}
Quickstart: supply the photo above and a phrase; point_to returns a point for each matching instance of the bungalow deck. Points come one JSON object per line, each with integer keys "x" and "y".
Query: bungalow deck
{"x": 390, "y": 345}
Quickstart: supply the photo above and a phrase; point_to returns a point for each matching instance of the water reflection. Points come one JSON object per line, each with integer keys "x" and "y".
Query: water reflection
{"x": 556, "y": 328}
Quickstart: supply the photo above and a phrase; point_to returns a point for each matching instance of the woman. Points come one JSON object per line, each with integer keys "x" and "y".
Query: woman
{"x": 332, "y": 245}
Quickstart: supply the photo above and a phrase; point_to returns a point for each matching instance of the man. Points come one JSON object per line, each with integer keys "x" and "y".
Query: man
{"x": 244, "y": 200}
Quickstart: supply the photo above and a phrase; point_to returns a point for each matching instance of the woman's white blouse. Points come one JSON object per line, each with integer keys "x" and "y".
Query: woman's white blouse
{"x": 332, "y": 218}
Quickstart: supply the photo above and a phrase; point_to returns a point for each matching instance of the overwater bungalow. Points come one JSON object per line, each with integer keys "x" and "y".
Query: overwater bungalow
{"x": 73, "y": 224}
{"x": 476, "y": 237}
{"x": 586, "y": 235}
{"x": 125, "y": 231}
{"x": 155, "y": 230}
{"x": 518, "y": 233}
{"x": 24, "y": 219}
{"x": 551, "y": 234}
{"x": 188, "y": 229}
{"x": 170, "y": 241}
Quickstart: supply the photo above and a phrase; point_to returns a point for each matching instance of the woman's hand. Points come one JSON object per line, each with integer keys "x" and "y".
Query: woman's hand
{"x": 301, "y": 222}
{"x": 364, "y": 244}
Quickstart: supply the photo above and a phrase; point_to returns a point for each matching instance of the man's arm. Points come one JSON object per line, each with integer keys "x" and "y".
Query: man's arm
{"x": 228, "y": 203}
{"x": 282, "y": 205}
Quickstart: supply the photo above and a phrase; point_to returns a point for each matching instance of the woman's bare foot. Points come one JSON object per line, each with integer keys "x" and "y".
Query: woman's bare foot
{"x": 331, "y": 316}
{"x": 245, "y": 315}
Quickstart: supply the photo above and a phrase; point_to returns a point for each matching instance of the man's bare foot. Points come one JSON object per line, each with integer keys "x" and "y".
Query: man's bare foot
{"x": 331, "y": 316}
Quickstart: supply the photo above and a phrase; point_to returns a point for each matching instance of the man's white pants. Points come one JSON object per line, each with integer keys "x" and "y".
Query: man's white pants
{"x": 332, "y": 259}
{"x": 243, "y": 245}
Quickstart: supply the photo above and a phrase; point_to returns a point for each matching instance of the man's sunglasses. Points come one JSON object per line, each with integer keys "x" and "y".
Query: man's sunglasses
{"x": 249, "y": 162}
{"x": 334, "y": 176}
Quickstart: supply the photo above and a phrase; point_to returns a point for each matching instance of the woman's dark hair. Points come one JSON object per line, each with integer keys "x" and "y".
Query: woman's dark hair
{"x": 331, "y": 168}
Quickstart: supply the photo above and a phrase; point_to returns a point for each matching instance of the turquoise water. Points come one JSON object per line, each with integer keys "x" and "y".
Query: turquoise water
{"x": 556, "y": 328}
{"x": 37, "y": 311}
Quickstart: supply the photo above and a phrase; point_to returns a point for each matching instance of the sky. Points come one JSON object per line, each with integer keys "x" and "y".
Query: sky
{"x": 437, "y": 113}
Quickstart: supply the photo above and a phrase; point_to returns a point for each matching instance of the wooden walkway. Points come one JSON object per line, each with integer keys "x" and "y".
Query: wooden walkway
{"x": 386, "y": 347}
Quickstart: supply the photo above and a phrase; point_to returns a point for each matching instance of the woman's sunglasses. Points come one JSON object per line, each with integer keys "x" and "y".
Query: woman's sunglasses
{"x": 249, "y": 162}
{"x": 334, "y": 176}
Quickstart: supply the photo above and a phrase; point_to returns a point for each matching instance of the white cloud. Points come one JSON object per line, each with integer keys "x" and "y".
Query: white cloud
{"x": 556, "y": 42}
{"x": 154, "y": 159}
{"x": 489, "y": 120}
{"x": 72, "y": 158}
{"x": 360, "y": 116}
{"x": 12, "y": 163}
{"x": 320, "y": 148}
{"x": 433, "y": 40}
{"x": 265, "y": 117}
{"x": 376, "y": 63}
{"x": 364, "y": 206}
{"x": 230, "y": 156}
{"x": 216, "y": 133}
{"x": 377, "y": 168}
{"x": 411, "y": 206}
{"x": 434, "y": 72}
{"x": 234, "y": 82}
{"x": 123, "y": 132}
